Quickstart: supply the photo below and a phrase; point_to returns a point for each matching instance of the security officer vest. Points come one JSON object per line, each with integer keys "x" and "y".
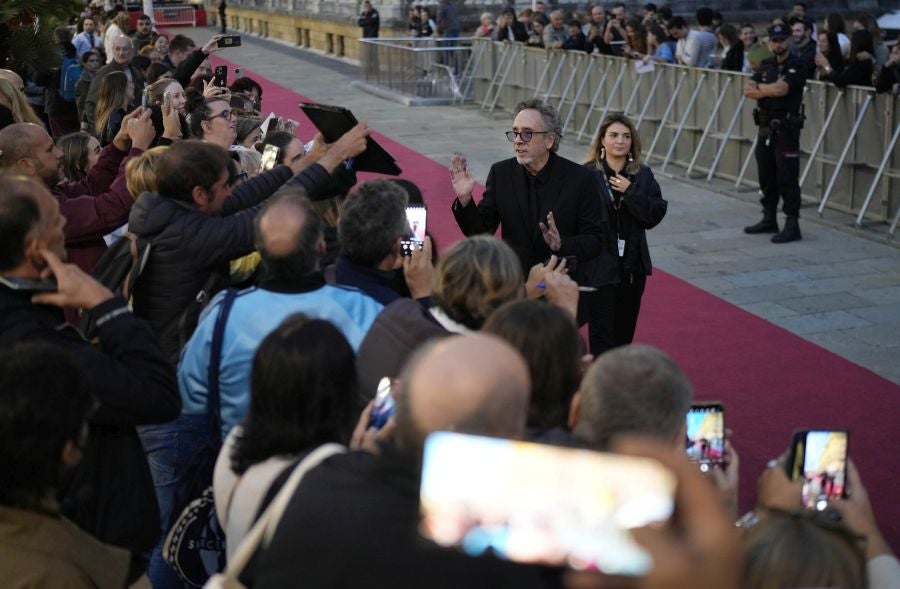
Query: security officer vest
{"x": 794, "y": 73}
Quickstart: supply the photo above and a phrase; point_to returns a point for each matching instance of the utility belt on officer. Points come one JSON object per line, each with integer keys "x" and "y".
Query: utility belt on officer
{"x": 770, "y": 121}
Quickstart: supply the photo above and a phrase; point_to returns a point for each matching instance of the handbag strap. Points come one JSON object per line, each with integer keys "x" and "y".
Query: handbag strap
{"x": 213, "y": 399}
{"x": 262, "y": 531}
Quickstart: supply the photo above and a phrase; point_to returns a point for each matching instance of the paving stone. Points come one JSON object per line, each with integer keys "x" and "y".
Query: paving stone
{"x": 819, "y": 322}
{"x": 829, "y": 302}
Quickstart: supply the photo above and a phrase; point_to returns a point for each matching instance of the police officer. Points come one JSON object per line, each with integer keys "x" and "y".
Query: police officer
{"x": 778, "y": 89}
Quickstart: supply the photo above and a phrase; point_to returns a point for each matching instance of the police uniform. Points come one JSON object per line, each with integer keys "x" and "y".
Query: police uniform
{"x": 778, "y": 145}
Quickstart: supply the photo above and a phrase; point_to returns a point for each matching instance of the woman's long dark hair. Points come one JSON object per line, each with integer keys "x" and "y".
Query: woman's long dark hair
{"x": 303, "y": 392}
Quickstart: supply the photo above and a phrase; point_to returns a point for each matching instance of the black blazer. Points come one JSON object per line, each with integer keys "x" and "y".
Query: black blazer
{"x": 645, "y": 207}
{"x": 519, "y": 32}
{"x": 571, "y": 194}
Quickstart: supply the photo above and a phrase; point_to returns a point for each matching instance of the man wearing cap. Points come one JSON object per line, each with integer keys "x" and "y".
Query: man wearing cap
{"x": 777, "y": 86}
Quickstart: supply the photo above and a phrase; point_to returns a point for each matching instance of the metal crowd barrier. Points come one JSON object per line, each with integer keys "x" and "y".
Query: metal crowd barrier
{"x": 175, "y": 15}
{"x": 699, "y": 121}
{"x": 419, "y": 70}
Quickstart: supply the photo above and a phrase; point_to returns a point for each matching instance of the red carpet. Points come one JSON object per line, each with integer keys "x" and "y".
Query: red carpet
{"x": 770, "y": 380}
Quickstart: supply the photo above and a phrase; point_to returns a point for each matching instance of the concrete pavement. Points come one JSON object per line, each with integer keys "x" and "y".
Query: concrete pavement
{"x": 837, "y": 287}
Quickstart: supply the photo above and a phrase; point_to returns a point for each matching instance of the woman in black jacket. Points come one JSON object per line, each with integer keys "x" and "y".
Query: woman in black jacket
{"x": 634, "y": 203}
{"x": 733, "y": 49}
{"x": 829, "y": 58}
{"x": 857, "y": 72}
{"x": 889, "y": 78}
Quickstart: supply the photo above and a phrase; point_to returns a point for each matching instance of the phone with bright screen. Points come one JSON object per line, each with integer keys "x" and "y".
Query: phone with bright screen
{"x": 416, "y": 216}
{"x": 705, "y": 440}
{"x": 819, "y": 459}
{"x": 269, "y": 157}
{"x": 541, "y": 504}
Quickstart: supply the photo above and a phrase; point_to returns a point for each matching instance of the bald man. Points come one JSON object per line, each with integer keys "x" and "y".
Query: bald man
{"x": 290, "y": 241}
{"x": 122, "y": 52}
{"x": 353, "y": 520}
{"x": 94, "y": 206}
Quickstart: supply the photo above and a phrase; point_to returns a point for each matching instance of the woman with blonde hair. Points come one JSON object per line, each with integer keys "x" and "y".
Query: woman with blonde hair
{"x": 13, "y": 99}
{"x": 140, "y": 172}
{"x": 116, "y": 94}
{"x": 634, "y": 204}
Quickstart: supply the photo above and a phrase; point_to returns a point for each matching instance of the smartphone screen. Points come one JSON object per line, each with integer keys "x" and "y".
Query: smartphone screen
{"x": 221, "y": 76}
{"x": 705, "y": 441}
{"x": 167, "y": 99}
{"x": 383, "y": 408}
{"x": 229, "y": 41}
{"x": 416, "y": 216}
{"x": 535, "y": 503}
{"x": 824, "y": 468}
{"x": 269, "y": 157}
{"x": 145, "y": 100}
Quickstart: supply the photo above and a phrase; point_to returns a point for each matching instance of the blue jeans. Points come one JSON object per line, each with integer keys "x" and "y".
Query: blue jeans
{"x": 169, "y": 449}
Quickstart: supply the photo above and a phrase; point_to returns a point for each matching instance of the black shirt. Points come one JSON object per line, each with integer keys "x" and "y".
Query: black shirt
{"x": 793, "y": 71}
{"x": 537, "y": 185}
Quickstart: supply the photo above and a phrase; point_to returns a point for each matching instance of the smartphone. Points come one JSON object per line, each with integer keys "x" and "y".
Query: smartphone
{"x": 145, "y": 100}
{"x": 307, "y": 147}
{"x": 818, "y": 457}
{"x": 536, "y": 503}
{"x": 29, "y": 284}
{"x": 383, "y": 408}
{"x": 229, "y": 41}
{"x": 269, "y": 157}
{"x": 416, "y": 216}
{"x": 221, "y": 76}
{"x": 705, "y": 440}
{"x": 167, "y": 99}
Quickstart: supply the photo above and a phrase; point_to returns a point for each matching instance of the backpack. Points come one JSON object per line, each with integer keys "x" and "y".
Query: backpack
{"x": 118, "y": 270}
{"x": 69, "y": 74}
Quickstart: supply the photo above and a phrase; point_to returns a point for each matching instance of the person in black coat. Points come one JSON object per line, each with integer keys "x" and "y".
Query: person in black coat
{"x": 111, "y": 494}
{"x": 857, "y": 71}
{"x": 889, "y": 77}
{"x": 634, "y": 203}
{"x": 733, "y": 61}
{"x": 509, "y": 28}
{"x": 544, "y": 204}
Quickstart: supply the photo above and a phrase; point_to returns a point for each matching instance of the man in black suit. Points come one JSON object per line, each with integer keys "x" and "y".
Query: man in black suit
{"x": 535, "y": 185}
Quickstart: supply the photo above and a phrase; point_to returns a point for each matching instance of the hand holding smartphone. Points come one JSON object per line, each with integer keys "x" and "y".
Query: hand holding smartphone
{"x": 705, "y": 440}
{"x": 819, "y": 459}
{"x": 221, "y": 76}
{"x": 269, "y": 157}
{"x": 383, "y": 408}
{"x": 229, "y": 41}
{"x": 416, "y": 216}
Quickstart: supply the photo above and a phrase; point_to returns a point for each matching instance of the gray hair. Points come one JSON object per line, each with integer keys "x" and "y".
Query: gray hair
{"x": 374, "y": 218}
{"x": 632, "y": 389}
{"x": 552, "y": 122}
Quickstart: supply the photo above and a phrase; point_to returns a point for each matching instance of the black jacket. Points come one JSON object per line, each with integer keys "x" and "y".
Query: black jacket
{"x": 571, "y": 194}
{"x": 353, "y": 523}
{"x": 642, "y": 207}
{"x": 370, "y": 22}
{"x": 856, "y": 72}
{"x": 519, "y": 33}
{"x": 399, "y": 330}
{"x": 889, "y": 76}
{"x": 188, "y": 247}
{"x": 111, "y": 494}
{"x": 734, "y": 58}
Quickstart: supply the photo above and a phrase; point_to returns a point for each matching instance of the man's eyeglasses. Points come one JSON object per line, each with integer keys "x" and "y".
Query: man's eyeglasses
{"x": 524, "y": 135}
{"x": 225, "y": 114}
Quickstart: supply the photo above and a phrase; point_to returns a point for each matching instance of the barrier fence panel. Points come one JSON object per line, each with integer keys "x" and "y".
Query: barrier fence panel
{"x": 850, "y": 147}
{"x": 175, "y": 15}
{"x": 423, "y": 69}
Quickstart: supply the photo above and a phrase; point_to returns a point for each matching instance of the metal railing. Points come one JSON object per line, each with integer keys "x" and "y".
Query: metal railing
{"x": 175, "y": 15}
{"x": 699, "y": 121}
{"x": 421, "y": 70}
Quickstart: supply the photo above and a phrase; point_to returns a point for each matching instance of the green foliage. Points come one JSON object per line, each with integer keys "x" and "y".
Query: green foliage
{"x": 26, "y": 32}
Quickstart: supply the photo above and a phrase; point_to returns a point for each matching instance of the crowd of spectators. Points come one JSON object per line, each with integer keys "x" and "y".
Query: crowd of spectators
{"x": 832, "y": 51}
{"x": 276, "y": 295}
